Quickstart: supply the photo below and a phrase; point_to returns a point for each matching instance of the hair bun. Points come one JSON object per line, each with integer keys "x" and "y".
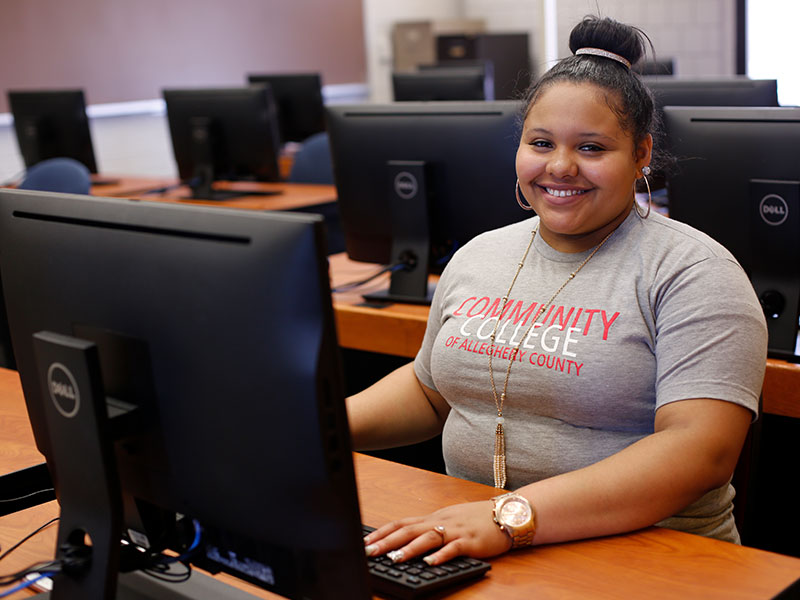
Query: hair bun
{"x": 610, "y": 35}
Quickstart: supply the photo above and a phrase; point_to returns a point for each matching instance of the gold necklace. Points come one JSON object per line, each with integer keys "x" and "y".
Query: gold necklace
{"x": 499, "y": 436}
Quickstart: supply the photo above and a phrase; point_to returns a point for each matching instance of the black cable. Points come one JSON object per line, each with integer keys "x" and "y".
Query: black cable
{"x": 53, "y": 566}
{"x": 164, "y": 572}
{"x": 26, "y": 538}
{"x": 26, "y": 496}
{"x": 356, "y": 284}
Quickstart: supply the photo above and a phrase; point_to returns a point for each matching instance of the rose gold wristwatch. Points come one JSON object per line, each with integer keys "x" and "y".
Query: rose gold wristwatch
{"x": 515, "y": 515}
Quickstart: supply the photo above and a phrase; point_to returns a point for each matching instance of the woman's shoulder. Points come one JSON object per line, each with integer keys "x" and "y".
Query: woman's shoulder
{"x": 663, "y": 235}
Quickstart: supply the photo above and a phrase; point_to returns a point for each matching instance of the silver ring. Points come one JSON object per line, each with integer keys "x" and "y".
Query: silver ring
{"x": 440, "y": 530}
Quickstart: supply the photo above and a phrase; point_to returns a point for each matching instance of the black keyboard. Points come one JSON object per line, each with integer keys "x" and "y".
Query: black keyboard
{"x": 415, "y": 578}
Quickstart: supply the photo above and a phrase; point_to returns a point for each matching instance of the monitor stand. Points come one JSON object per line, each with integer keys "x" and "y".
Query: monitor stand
{"x": 410, "y": 218}
{"x": 202, "y": 187}
{"x": 206, "y": 144}
{"x": 775, "y": 207}
{"x": 84, "y": 465}
{"x": 34, "y": 138}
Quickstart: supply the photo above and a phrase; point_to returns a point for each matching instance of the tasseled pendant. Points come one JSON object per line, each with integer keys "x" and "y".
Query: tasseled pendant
{"x": 499, "y": 456}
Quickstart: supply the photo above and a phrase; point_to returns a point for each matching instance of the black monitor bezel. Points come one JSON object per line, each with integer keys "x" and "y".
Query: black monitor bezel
{"x": 443, "y": 83}
{"x": 300, "y": 103}
{"x": 246, "y": 120}
{"x": 64, "y": 112}
{"x": 365, "y": 216}
{"x": 735, "y": 90}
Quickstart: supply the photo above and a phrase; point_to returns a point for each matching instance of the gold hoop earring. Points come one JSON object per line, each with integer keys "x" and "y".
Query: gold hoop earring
{"x": 524, "y": 205}
{"x": 645, "y": 172}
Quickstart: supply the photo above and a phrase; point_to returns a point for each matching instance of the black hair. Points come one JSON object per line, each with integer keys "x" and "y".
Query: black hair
{"x": 629, "y": 98}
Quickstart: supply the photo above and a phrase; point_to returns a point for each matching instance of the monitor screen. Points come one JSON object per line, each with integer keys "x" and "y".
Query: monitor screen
{"x": 737, "y": 178}
{"x": 219, "y": 363}
{"x": 415, "y": 180}
{"x": 52, "y": 124}
{"x": 443, "y": 83}
{"x": 300, "y": 103}
{"x": 223, "y": 134}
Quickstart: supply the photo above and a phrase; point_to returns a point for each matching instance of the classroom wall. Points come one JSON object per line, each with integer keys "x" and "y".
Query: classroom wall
{"x": 699, "y": 36}
{"x": 121, "y": 50}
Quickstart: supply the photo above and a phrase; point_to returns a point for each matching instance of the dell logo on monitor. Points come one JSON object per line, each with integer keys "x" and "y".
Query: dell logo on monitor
{"x": 63, "y": 390}
{"x": 773, "y": 209}
{"x": 405, "y": 185}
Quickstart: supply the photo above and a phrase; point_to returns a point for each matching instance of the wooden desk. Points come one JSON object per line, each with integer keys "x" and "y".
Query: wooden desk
{"x": 398, "y": 329}
{"x": 653, "y": 563}
{"x": 260, "y": 195}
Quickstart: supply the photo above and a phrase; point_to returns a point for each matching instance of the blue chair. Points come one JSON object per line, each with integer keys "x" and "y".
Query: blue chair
{"x": 312, "y": 163}
{"x": 64, "y": 175}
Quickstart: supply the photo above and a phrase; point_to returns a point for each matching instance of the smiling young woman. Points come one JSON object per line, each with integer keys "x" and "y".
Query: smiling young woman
{"x": 610, "y": 390}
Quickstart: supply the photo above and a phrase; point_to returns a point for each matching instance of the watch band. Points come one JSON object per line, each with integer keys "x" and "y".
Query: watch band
{"x": 523, "y": 534}
{"x": 525, "y": 539}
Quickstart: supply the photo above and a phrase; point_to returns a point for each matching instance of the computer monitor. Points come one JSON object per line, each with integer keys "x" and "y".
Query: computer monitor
{"x": 218, "y": 359}
{"x": 52, "y": 124}
{"x": 707, "y": 91}
{"x": 737, "y": 178}
{"x": 712, "y": 91}
{"x": 415, "y": 180}
{"x": 435, "y": 83}
{"x": 300, "y": 103}
{"x": 223, "y": 134}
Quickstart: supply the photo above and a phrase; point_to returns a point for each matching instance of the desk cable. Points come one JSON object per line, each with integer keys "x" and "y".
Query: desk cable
{"x": 43, "y": 569}
{"x": 356, "y": 284}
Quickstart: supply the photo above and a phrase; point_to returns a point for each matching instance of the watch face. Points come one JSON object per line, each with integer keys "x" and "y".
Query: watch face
{"x": 515, "y": 513}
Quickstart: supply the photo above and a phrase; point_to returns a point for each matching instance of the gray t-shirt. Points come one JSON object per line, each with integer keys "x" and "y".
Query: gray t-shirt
{"x": 661, "y": 313}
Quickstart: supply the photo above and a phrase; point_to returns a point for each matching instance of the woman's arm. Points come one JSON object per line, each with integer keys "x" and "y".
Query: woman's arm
{"x": 396, "y": 411}
{"x": 693, "y": 450}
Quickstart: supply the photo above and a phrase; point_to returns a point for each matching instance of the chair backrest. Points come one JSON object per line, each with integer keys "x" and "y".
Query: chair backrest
{"x": 57, "y": 175}
{"x": 312, "y": 163}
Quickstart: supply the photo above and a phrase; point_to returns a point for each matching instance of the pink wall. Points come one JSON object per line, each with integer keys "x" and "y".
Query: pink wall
{"x": 119, "y": 50}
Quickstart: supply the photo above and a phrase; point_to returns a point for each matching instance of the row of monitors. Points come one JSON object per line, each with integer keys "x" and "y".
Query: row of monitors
{"x": 462, "y": 79}
{"x": 465, "y": 79}
{"x": 238, "y": 133}
{"x": 380, "y": 152}
{"x": 54, "y": 123}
